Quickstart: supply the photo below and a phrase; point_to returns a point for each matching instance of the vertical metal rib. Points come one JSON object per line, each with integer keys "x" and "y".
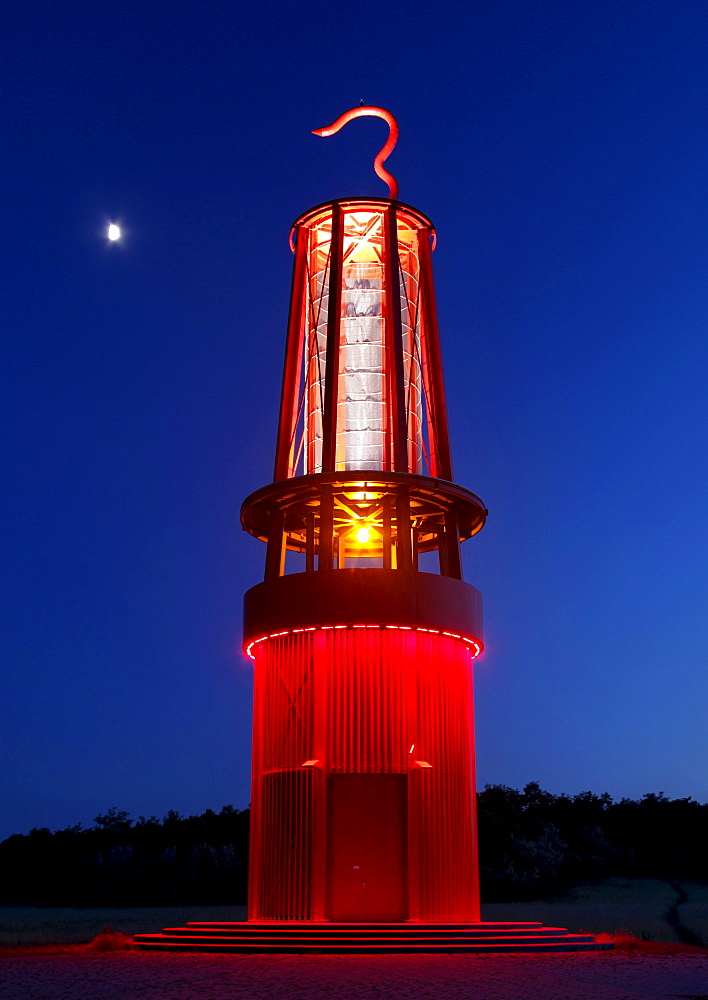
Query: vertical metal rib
{"x": 292, "y": 367}
{"x": 394, "y": 336}
{"x": 329, "y": 430}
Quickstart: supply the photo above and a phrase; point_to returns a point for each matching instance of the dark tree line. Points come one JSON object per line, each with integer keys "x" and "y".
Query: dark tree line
{"x": 152, "y": 862}
{"x": 532, "y": 843}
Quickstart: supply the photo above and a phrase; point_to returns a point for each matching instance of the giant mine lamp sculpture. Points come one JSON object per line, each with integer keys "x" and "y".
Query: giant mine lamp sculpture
{"x": 363, "y": 778}
{"x": 363, "y": 633}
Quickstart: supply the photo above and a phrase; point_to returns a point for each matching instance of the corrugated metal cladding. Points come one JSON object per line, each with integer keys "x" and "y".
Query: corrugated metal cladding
{"x": 362, "y": 701}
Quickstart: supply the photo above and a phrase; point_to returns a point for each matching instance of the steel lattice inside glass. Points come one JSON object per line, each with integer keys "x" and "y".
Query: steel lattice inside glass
{"x": 363, "y": 434}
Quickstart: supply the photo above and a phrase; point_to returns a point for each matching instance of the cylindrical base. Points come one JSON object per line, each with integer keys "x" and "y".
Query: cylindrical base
{"x": 363, "y": 776}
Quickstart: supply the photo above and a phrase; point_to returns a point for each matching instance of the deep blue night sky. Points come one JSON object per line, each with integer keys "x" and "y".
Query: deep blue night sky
{"x": 561, "y": 150}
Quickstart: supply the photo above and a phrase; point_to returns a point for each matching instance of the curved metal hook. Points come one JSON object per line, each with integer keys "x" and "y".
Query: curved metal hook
{"x": 370, "y": 111}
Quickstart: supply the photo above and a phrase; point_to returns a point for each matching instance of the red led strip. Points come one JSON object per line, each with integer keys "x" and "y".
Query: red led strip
{"x": 473, "y": 645}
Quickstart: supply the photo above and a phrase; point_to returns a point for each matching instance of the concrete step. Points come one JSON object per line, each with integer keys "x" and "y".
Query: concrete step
{"x": 324, "y": 935}
{"x": 457, "y": 940}
{"x": 326, "y": 926}
{"x": 368, "y": 949}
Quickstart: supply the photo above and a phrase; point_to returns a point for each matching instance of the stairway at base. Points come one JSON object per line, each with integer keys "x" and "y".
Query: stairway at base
{"x": 366, "y": 938}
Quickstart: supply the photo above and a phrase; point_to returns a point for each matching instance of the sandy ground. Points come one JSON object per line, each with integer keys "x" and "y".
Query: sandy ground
{"x": 147, "y": 976}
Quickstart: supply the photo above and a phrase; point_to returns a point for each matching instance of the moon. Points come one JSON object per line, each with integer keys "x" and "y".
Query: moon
{"x": 113, "y": 232}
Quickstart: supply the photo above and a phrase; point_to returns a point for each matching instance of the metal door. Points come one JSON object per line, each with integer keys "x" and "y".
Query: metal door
{"x": 366, "y": 847}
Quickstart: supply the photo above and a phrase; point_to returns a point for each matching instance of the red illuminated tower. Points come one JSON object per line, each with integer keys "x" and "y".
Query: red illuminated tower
{"x": 363, "y": 633}
{"x": 363, "y": 638}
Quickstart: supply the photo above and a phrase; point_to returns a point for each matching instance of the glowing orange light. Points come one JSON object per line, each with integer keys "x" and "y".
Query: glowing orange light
{"x": 363, "y": 535}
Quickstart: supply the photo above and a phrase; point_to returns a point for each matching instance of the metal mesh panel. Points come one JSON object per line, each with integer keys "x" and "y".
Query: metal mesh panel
{"x": 362, "y": 700}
